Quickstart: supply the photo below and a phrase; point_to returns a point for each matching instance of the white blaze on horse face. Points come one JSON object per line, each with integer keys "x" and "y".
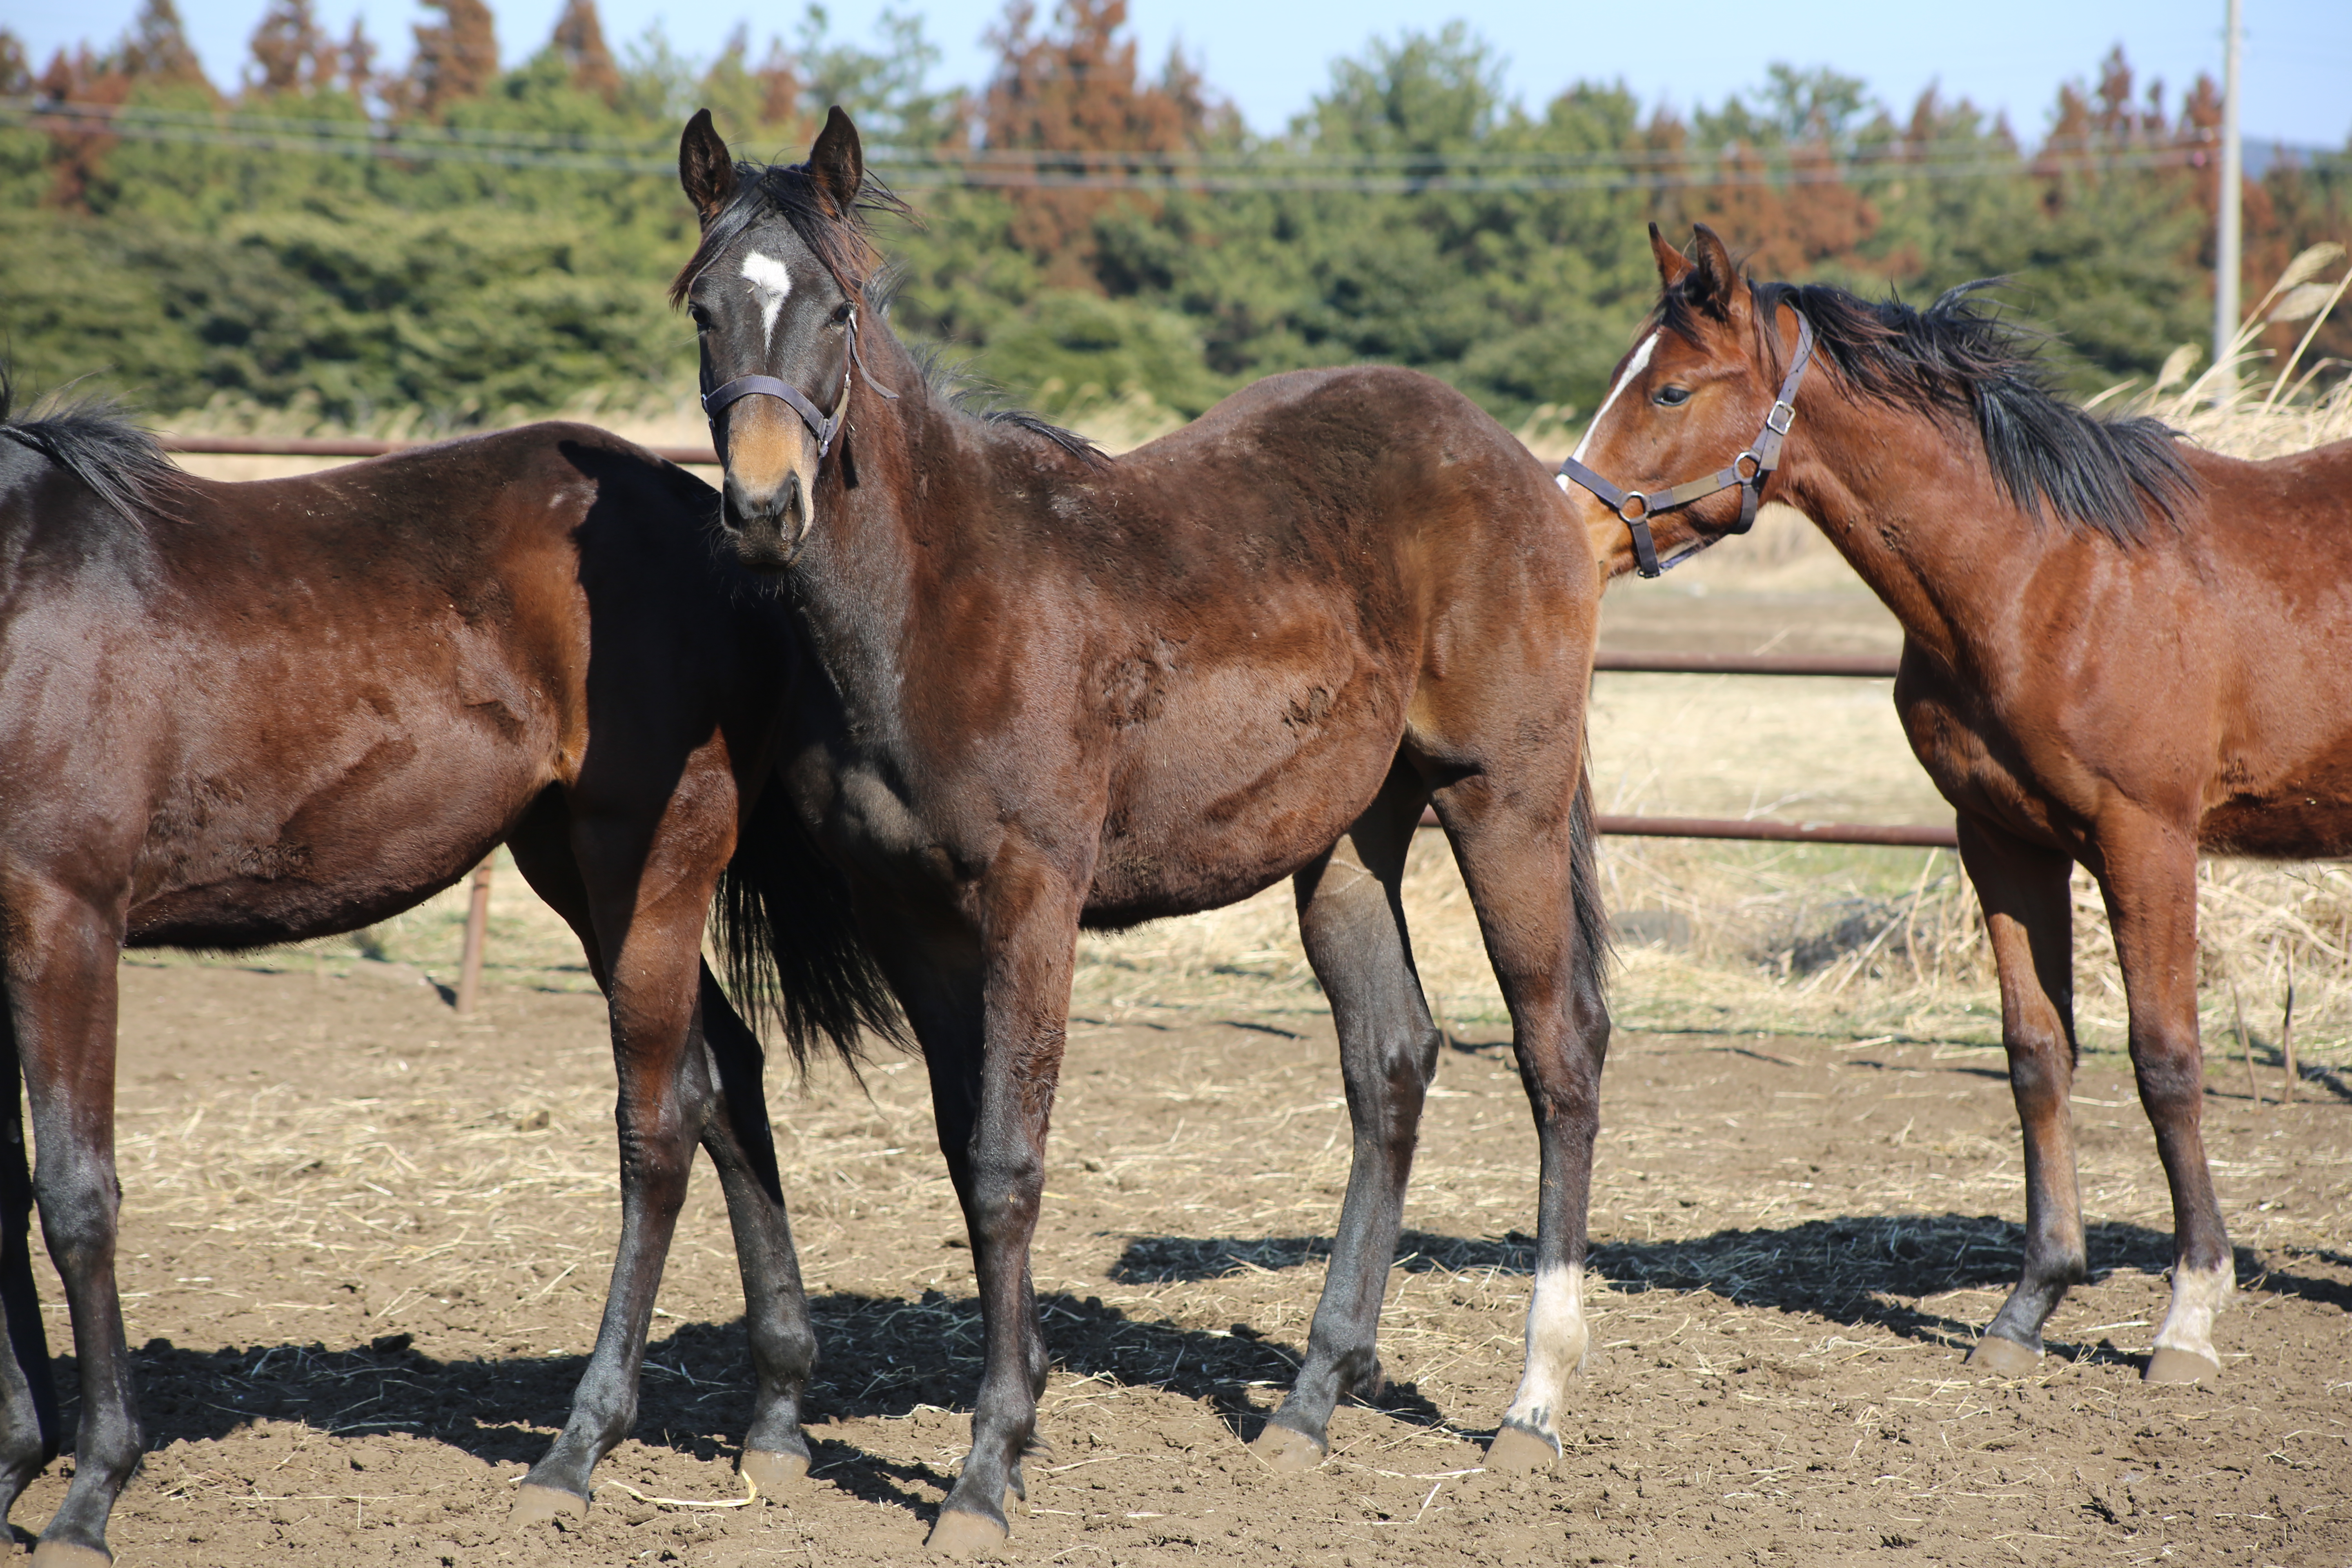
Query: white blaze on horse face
{"x": 771, "y": 285}
{"x": 1556, "y": 1341}
{"x": 1634, "y": 368}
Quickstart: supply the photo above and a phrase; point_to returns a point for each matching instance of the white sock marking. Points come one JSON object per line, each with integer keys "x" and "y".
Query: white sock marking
{"x": 2197, "y": 1296}
{"x": 1557, "y": 1340}
{"x": 1634, "y": 368}
{"x": 772, "y": 284}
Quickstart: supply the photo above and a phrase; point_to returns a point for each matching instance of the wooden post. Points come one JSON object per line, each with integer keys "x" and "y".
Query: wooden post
{"x": 477, "y": 926}
{"x": 2287, "y": 1030}
{"x": 2245, "y": 1044}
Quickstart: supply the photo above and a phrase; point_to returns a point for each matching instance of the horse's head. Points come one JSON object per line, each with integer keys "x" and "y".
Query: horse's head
{"x": 1697, "y": 402}
{"x": 775, "y": 288}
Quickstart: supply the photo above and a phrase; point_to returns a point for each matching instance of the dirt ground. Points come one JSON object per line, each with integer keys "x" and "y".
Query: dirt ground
{"x": 364, "y": 1249}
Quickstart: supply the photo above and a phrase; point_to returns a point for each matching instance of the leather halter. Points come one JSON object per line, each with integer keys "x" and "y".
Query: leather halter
{"x": 1748, "y": 471}
{"x": 825, "y": 427}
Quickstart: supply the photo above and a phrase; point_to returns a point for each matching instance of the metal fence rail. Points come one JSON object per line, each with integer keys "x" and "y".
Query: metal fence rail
{"x": 1917, "y": 836}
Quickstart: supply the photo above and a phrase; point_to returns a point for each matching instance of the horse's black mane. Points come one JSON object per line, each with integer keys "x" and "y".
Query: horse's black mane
{"x": 93, "y": 439}
{"x": 953, "y": 383}
{"x": 1957, "y": 360}
{"x": 844, "y": 246}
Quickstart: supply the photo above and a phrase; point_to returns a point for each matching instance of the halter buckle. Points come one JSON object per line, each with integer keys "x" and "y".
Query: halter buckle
{"x": 1781, "y": 416}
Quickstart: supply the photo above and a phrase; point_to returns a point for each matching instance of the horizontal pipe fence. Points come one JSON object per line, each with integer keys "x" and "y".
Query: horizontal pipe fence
{"x": 1914, "y": 835}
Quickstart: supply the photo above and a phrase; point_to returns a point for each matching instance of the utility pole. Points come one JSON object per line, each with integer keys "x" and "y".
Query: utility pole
{"x": 2225, "y": 259}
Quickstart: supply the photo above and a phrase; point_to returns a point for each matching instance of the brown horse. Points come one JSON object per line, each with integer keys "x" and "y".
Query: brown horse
{"x": 234, "y": 714}
{"x": 1079, "y": 692}
{"x": 2118, "y": 650}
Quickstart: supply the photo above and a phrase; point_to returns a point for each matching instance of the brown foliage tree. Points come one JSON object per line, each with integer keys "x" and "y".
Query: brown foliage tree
{"x": 1074, "y": 90}
{"x": 291, "y": 53}
{"x": 455, "y": 60}
{"x": 580, "y": 39}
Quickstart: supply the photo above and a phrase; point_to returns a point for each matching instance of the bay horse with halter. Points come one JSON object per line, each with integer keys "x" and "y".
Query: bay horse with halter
{"x": 1078, "y": 691}
{"x": 2119, "y": 650}
{"x": 239, "y": 714}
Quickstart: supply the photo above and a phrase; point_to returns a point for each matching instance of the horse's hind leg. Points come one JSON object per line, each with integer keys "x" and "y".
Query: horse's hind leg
{"x": 28, "y": 1399}
{"x": 1352, "y": 926}
{"x": 61, "y": 993}
{"x": 2150, "y": 875}
{"x": 1525, "y": 857}
{"x": 723, "y": 1093}
{"x": 647, "y": 925}
{"x": 730, "y": 1101}
{"x": 2029, "y": 920}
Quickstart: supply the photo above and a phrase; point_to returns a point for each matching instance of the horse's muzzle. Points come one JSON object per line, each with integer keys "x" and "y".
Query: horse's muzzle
{"x": 770, "y": 524}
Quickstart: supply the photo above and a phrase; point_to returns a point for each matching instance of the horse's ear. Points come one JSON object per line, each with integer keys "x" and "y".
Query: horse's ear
{"x": 1715, "y": 278}
{"x": 837, "y": 161}
{"x": 1673, "y": 265}
{"x": 705, "y": 167}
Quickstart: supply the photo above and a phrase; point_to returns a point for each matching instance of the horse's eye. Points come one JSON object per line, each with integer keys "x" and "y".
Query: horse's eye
{"x": 841, "y": 312}
{"x": 701, "y": 318}
{"x": 1670, "y": 396}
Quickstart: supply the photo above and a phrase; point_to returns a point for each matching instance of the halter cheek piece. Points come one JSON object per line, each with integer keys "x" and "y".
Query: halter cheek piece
{"x": 1748, "y": 470}
{"x": 825, "y": 427}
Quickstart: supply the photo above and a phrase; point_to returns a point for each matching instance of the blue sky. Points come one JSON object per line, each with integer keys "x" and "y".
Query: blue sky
{"x": 1271, "y": 60}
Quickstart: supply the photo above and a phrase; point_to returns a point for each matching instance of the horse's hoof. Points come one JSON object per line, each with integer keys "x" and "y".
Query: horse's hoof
{"x": 1516, "y": 1448}
{"x": 64, "y": 1554}
{"x": 545, "y": 1505}
{"x": 773, "y": 1470}
{"x": 2171, "y": 1366}
{"x": 2000, "y": 1357}
{"x": 1286, "y": 1450}
{"x": 962, "y": 1534}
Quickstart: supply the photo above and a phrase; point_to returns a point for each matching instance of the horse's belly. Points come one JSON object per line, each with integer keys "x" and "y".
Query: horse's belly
{"x": 242, "y": 860}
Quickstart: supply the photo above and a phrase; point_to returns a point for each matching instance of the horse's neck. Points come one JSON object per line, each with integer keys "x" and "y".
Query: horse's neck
{"x": 857, "y": 582}
{"x": 1915, "y": 510}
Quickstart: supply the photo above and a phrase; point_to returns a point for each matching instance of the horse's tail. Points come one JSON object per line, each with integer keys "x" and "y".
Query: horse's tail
{"x": 1592, "y": 943}
{"x": 94, "y": 440}
{"x": 788, "y": 945}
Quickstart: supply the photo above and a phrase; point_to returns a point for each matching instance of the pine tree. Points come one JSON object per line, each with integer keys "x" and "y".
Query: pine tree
{"x": 156, "y": 50}
{"x": 16, "y": 67}
{"x": 580, "y": 39}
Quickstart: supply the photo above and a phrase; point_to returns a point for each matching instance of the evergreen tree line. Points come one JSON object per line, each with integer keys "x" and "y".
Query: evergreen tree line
{"x": 461, "y": 242}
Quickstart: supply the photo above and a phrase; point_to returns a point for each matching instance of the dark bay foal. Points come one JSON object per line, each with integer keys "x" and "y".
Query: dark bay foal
{"x": 237, "y": 714}
{"x": 1078, "y": 692}
{"x": 2118, "y": 650}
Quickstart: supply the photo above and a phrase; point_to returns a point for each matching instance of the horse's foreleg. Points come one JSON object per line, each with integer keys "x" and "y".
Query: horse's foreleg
{"x": 61, "y": 993}
{"x": 733, "y": 1115}
{"x": 1352, "y": 926}
{"x": 1521, "y": 867}
{"x": 29, "y": 1397}
{"x": 653, "y": 1002}
{"x": 2149, "y": 876}
{"x": 2029, "y": 920}
{"x": 1029, "y": 935}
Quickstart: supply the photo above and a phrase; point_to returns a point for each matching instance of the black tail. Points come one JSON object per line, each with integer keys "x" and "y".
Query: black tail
{"x": 94, "y": 440}
{"x": 1592, "y": 943}
{"x": 787, "y": 943}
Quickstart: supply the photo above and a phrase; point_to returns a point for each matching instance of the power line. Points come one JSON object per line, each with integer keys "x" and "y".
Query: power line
{"x": 1272, "y": 170}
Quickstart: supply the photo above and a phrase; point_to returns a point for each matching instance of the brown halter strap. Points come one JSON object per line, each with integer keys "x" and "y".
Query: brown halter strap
{"x": 1748, "y": 471}
{"x": 824, "y": 425}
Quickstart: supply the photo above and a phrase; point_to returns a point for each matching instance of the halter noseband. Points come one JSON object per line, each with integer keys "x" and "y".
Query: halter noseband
{"x": 825, "y": 427}
{"x": 1748, "y": 470}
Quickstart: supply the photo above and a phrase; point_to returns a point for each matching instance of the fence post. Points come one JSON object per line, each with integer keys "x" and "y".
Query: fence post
{"x": 477, "y": 925}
